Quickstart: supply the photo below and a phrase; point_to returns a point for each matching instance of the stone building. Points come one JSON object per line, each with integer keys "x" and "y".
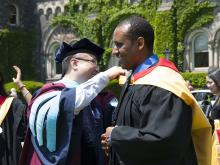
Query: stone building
{"x": 51, "y": 37}
{"x": 17, "y": 14}
{"x": 202, "y": 45}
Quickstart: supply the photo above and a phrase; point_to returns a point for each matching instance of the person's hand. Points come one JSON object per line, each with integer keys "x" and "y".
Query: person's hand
{"x": 114, "y": 72}
{"x": 105, "y": 140}
{"x": 18, "y": 75}
{"x": 17, "y": 79}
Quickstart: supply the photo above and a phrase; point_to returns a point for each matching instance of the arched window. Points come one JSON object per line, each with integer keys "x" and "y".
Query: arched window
{"x": 40, "y": 11}
{"x": 57, "y": 11}
{"x": 201, "y": 55}
{"x": 13, "y": 15}
{"x": 53, "y": 69}
{"x": 49, "y": 13}
{"x": 58, "y": 67}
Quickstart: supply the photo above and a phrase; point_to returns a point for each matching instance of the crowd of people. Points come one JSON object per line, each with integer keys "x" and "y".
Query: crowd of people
{"x": 72, "y": 121}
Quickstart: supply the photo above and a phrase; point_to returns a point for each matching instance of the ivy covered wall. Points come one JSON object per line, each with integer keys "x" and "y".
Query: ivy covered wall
{"x": 96, "y": 19}
{"x": 16, "y": 48}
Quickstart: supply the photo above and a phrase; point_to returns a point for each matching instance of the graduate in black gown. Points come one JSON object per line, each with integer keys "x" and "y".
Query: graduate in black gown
{"x": 96, "y": 118}
{"x": 12, "y": 127}
{"x": 157, "y": 121}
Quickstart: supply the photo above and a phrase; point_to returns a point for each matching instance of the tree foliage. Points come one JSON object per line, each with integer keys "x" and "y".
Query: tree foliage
{"x": 16, "y": 48}
{"x": 96, "y": 19}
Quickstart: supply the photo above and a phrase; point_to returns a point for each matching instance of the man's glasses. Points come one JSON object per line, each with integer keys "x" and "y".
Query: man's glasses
{"x": 93, "y": 61}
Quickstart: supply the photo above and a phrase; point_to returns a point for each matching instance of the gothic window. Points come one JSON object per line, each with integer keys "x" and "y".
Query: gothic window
{"x": 40, "y": 11}
{"x": 201, "y": 55}
{"x": 49, "y": 13}
{"x": 13, "y": 15}
{"x": 53, "y": 69}
{"x": 58, "y": 67}
{"x": 57, "y": 11}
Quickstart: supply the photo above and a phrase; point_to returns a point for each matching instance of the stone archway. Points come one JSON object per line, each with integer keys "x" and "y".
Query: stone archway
{"x": 53, "y": 39}
{"x": 189, "y": 63}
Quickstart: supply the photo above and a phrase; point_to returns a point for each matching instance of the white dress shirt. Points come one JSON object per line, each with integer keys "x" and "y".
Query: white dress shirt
{"x": 86, "y": 91}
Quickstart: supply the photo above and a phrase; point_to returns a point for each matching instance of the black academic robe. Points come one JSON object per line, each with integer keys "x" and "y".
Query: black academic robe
{"x": 154, "y": 128}
{"x": 215, "y": 111}
{"x": 92, "y": 154}
{"x": 213, "y": 114}
{"x": 14, "y": 128}
{"x": 96, "y": 118}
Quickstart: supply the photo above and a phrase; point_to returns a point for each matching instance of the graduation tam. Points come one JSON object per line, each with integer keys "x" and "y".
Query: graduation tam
{"x": 82, "y": 46}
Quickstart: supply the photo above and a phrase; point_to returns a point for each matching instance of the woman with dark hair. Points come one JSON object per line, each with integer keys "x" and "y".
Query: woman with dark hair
{"x": 213, "y": 83}
{"x": 12, "y": 126}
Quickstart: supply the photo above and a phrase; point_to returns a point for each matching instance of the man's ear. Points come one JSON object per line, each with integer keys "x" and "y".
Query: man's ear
{"x": 74, "y": 64}
{"x": 140, "y": 43}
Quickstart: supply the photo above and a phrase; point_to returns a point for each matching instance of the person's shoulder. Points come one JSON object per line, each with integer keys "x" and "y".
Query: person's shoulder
{"x": 49, "y": 87}
{"x": 17, "y": 106}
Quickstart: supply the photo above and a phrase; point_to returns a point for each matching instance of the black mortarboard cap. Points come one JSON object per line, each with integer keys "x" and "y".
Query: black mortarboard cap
{"x": 82, "y": 46}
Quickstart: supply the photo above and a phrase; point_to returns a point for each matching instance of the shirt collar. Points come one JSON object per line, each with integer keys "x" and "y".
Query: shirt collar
{"x": 150, "y": 61}
{"x": 68, "y": 83}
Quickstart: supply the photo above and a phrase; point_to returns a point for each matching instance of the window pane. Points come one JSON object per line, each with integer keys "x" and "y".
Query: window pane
{"x": 58, "y": 65}
{"x": 201, "y": 43}
{"x": 49, "y": 13}
{"x": 12, "y": 10}
{"x": 12, "y": 19}
{"x": 201, "y": 59}
{"x": 58, "y": 68}
{"x": 57, "y": 11}
{"x": 12, "y": 15}
{"x": 201, "y": 56}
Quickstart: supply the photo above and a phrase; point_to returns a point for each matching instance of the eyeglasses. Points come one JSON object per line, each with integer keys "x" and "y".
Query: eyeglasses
{"x": 93, "y": 61}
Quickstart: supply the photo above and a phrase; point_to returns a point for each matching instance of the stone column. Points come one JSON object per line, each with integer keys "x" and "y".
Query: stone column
{"x": 217, "y": 44}
{"x": 187, "y": 58}
{"x": 49, "y": 66}
{"x": 216, "y": 54}
{"x": 211, "y": 53}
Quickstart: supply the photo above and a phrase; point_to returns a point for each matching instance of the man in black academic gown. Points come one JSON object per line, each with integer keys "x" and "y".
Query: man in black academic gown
{"x": 154, "y": 121}
{"x": 96, "y": 118}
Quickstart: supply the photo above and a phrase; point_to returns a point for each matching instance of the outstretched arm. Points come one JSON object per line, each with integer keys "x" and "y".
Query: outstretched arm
{"x": 87, "y": 91}
{"x": 24, "y": 91}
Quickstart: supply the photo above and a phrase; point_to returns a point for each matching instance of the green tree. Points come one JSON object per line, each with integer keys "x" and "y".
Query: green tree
{"x": 96, "y": 19}
{"x": 16, "y": 48}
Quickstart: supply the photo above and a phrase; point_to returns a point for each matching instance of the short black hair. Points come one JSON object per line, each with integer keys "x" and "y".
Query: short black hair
{"x": 214, "y": 74}
{"x": 139, "y": 27}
